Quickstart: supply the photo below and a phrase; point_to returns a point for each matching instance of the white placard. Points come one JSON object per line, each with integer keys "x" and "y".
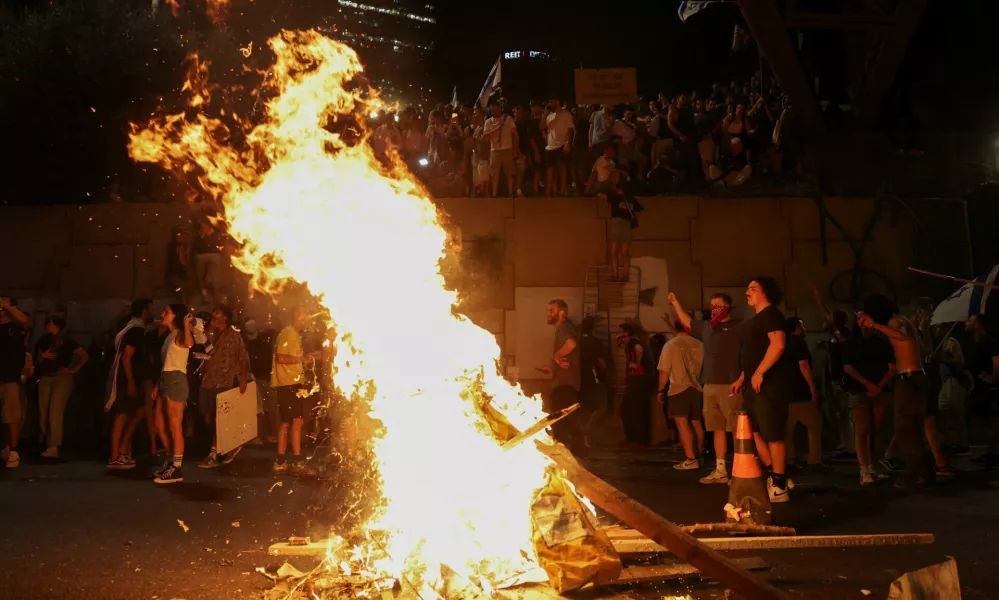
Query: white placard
{"x": 236, "y": 418}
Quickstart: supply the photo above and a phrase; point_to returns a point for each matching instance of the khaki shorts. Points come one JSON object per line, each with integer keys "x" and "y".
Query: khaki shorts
{"x": 501, "y": 160}
{"x": 10, "y": 400}
{"x": 720, "y": 407}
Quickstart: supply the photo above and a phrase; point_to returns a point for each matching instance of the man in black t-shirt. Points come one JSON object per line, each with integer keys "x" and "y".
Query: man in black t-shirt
{"x": 593, "y": 373}
{"x": 764, "y": 381}
{"x": 869, "y": 365}
{"x": 12, "y": 327}
{"x": 983, "y": 363}
{"x": 130, "y": 384}
{"x": 57, "y": 359}
{"x": 804, "y": 396}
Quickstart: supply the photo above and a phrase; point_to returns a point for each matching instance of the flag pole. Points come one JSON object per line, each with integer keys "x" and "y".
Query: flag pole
{"x": 987, "y": 286}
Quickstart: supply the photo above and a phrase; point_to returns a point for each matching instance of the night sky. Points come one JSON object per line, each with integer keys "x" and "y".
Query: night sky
{"x": 949, "y": 79}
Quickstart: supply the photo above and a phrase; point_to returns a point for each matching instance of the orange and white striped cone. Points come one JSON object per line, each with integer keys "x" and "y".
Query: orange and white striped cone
{"x": 748, "y": 500}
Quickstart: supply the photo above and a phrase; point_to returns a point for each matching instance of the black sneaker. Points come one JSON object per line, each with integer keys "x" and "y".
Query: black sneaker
{"x": 161, "y": 468}
{"x": 171, "y": 474}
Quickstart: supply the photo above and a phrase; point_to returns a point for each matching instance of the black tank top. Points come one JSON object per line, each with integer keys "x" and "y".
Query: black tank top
{"x": 685, "y": 120}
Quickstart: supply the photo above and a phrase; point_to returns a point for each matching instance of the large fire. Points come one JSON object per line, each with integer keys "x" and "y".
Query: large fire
{"x": 313, "y": 207}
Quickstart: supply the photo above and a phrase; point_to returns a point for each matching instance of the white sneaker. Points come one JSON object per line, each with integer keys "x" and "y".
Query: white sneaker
{"x": 716, "y": 476}
{"x": 778, "y": 495}
{"x": 13, "y": 459}
{"x": 688, "y": 465}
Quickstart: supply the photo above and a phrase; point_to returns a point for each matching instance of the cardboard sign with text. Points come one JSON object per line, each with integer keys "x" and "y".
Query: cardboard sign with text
{"x": 606, "y": 86}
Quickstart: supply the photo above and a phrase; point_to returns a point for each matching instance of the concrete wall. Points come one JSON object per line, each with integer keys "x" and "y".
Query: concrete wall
{"x": 88, "y": 261}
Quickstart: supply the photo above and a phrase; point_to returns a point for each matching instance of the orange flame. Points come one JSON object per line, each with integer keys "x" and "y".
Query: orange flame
{"x": 310, "y": 206}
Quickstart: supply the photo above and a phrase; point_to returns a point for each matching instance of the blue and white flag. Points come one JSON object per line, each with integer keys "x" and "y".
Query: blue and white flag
{"x": 967, "y": 301}
{"x": 454, "y": 98}
{"x": 492, "y": 84}
{"x": 690, "y": 8}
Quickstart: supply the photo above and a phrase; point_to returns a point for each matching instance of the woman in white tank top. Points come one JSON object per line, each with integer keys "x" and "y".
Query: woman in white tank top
{"x": 173, "y": 388}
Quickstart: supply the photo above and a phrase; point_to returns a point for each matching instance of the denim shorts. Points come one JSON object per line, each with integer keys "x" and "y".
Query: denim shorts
{"x": 173, "y": 386}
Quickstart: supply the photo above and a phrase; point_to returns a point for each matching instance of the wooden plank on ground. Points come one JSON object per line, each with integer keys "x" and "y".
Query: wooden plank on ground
{"x": 711, "y": 563}
{"x": 640, "y": 545}
{"x": 656, "y": 573}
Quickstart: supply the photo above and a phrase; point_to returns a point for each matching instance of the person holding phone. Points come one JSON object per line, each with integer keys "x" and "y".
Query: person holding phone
{"x": 173, "y": 388}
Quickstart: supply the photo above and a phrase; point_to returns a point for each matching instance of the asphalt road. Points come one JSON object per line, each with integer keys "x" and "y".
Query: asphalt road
{"x": 70, "y": 530}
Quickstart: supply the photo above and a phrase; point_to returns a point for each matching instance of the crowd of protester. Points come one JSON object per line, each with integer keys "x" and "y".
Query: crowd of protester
{"x": 164, "y": 370}
{"x": 720, "y": 137}
{"x": 936, "y": 383}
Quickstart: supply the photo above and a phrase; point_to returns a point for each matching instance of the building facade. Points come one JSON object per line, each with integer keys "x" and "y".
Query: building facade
{"x": 394, "y": 39}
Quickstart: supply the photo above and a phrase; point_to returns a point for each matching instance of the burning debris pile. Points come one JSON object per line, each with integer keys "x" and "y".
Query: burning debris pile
{"x": 309, "y": 203}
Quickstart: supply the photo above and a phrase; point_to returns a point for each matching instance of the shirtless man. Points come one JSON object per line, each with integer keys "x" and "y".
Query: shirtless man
{"x": 911, "y": 387}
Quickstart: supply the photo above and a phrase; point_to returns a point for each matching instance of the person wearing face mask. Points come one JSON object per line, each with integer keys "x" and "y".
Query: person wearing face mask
{"x": 721, "y": 336}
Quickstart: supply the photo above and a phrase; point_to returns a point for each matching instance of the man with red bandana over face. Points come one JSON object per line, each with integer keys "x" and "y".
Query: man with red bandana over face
{"x": 722, "y": 337}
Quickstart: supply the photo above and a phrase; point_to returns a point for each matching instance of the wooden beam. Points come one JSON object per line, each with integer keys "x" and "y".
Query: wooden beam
{"x": 641, "y": 545}
{"x": 879, "y": 77}
{"x": 744, "y": 528}
{"x": 656, "y": 573}
{"x": 665, "y": 533}
{"x": 768, "y": 29}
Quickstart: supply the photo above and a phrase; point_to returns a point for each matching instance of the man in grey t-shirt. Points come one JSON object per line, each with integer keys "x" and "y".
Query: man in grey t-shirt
{"x": 564, "y": 370}
{"x": 722, "y": 337}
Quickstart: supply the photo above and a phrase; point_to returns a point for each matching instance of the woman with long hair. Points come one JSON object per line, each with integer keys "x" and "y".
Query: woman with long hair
{"x": 173, "y": 388}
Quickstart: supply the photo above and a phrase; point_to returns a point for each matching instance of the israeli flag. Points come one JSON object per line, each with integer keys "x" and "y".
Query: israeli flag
{"x": 688, "y": 9}
{"x": 967, "y": 301}
{"x": 492, "y": 84}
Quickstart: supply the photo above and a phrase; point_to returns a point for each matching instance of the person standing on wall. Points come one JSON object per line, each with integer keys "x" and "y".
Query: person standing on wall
{"x": 624, "y": 217}
{"x": 722, "y": 339}
{"x": 54, "y": 354}
{"x": 288, "y": 382}
{"x": 13, "y": 324}
{"x": 564, "y": 371}
{"x": 764, "y": 382}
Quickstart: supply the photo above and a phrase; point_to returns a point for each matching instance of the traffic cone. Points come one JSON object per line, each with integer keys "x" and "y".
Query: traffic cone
{"x": 748, "y": 500}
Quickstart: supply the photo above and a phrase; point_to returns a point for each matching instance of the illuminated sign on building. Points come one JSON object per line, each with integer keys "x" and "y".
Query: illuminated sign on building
{"x": 525, "y": 54}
